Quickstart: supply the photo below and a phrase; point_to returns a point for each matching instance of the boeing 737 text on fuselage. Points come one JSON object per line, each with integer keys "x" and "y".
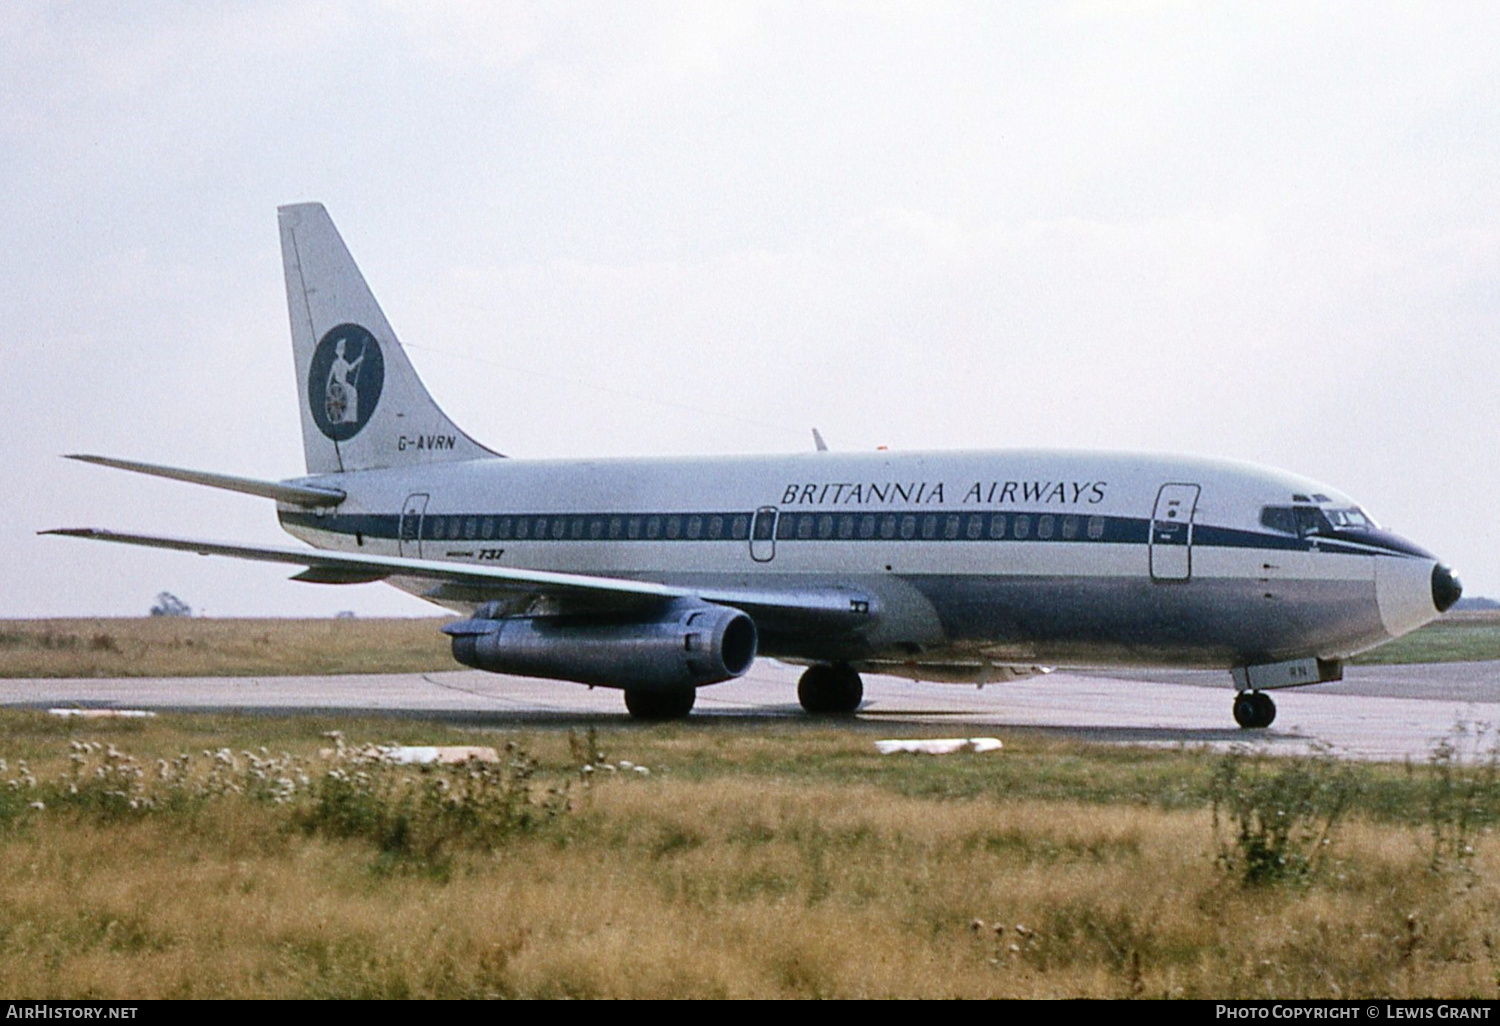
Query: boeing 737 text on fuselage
{"x": 660, "y": 576}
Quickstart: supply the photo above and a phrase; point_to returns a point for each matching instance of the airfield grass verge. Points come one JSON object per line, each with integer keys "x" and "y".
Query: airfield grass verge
{"x": 1464, "y": 636}
{"x": 203, "y": 647}
{"x": 746, "y": 862}
{"x": 170, "y": 646}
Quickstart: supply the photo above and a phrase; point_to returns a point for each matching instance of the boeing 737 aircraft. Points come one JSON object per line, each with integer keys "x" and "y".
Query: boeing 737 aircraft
{"x": 661, "y": 576}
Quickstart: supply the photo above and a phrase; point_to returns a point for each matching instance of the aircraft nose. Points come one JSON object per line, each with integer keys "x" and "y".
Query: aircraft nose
{"x": 1446, "y": 588}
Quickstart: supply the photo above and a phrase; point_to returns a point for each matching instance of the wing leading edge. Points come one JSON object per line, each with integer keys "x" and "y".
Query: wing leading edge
{"x": 825, "y": 608}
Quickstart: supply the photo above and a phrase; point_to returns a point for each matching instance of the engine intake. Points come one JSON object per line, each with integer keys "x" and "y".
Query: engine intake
{"x": 694, "y": 644}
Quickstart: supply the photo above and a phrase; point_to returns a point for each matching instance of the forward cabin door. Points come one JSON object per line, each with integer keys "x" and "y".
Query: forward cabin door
{"x": 1172, "y": 532}
{"x": 410, "y": 532}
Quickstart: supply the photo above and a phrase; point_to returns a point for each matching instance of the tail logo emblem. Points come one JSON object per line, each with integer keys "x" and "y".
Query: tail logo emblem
{"x": 344, "y": 382}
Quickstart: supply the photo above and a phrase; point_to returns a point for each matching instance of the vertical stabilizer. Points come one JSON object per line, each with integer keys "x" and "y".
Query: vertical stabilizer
{"x": 363, "y": 406}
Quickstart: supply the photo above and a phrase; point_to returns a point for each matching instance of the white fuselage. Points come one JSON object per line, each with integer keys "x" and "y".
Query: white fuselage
{"x": 1065, "y": 558}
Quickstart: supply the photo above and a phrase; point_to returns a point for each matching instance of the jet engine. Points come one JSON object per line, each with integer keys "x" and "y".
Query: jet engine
{"x": 693, "y": 644}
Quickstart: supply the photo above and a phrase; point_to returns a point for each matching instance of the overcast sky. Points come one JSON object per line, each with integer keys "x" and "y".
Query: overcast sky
{"x": 1268, "y": 231}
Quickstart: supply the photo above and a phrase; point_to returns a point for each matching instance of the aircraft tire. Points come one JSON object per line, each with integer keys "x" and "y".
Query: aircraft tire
{"x": 1266, "y": 710}
{"x": 1254, "y": 710}
{"x": 830, "y": 690}
{"x": 656, "y": 705}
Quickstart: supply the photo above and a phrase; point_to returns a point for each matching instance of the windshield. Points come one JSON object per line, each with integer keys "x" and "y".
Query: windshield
{"x": 1307, "y": 520}
{"x": 1351, "y": 519}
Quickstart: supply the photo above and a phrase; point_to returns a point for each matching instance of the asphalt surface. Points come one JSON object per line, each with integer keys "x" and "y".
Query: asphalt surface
{"x": 1381, "y": 712}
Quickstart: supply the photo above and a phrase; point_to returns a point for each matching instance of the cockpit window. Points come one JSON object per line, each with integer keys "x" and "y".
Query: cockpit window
{"x": 1299, "y": 520}
{"x": 1278, "y": 518}
{"x": 1352, "y": 519}
{"x": 1309, "y": 520}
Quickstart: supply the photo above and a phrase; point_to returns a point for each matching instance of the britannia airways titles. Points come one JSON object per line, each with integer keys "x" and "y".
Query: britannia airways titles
{"x": 929, "y": 493}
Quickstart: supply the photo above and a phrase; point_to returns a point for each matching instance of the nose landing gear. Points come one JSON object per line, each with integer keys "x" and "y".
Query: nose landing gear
{"x": 1254, "y": 709}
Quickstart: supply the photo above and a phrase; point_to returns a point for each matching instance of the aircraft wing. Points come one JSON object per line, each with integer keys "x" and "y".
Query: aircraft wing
{"x": 831, "y": 608}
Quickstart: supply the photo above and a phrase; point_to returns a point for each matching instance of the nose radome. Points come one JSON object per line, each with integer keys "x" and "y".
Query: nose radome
{"x": 1446, "y": 588}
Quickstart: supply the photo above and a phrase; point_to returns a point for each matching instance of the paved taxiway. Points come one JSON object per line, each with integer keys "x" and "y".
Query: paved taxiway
{"x": 1378, "y": 712}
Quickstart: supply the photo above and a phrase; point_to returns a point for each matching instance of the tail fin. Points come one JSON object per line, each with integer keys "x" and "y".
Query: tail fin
{"x": 363, "y": 406}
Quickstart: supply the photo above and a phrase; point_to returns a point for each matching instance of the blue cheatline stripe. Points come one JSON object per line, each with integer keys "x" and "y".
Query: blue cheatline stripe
{"x": 793, "y": 527}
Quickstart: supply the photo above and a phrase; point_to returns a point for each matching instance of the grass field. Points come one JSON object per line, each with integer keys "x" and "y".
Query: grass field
{"x": 171, "y": 646}
{"x": 1457, "y": 637}
{"x": 208, "y": 856}
{"x": 746, "y": 863}
{"x": 202, "y": 647}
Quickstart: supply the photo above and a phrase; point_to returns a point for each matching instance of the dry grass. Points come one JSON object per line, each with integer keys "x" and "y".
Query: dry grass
{"x": 183, "y": 647}
{"x": 783, "y": 875}
{"x": 200, "y": 647}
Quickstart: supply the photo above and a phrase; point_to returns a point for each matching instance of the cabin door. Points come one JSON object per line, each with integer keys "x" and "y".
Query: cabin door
{"x": 763, "y": 535}
{"x": 1172, "y": 532}
{"x": 410, "y": 532}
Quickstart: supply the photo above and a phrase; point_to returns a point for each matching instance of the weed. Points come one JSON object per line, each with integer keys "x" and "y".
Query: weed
{"x": 1279, "y": 814}
{"x": 1462, "y": 794}
{"x": 420, "y": 812}
{"x": 413, "y": 813}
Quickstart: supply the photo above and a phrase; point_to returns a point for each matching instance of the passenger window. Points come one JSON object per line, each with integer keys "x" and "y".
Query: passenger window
{"x": 560, "y": 527}
{"x": 846, "y": 526}
{"x": 1044, "y": 526}
{"x": 804, "y": 526}
{"x": 741, "y": 527}
{"x": 975, "y": 528}
{"x": 616, "y": 528}
{"x": 576, "y": 526}
{"x": 695, "y": 528}
{"x": 867, "y": 526}
{"x": 653, "y": 528}
{"x": 674, "y": 527}
{"x": 596, "y": 528}
{"x": 523, "y": 528}
{"x": 1096, "y": 528}
{"x": 908, "y": 527}
{"x": 1070, "y": 528}
{"x": 950, "y": 527}
{"x": 1023, "y": 526}
{"x": 997, "y": 526}
{"x": 471, "y": 528}
{"x": 888, "y": 526}
{"x": 929, "y": 526}
{"x": 633, "y": 528}
{"x": 715, "y": 528}
{"x": 825, "y": 526}
{"x": 488, "y": 530}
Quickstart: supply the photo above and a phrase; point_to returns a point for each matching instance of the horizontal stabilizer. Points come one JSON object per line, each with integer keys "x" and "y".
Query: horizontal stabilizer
{"x": 299, "y": 495}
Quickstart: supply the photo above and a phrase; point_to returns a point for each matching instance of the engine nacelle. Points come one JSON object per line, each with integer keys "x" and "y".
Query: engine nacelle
{"x": 693, "y": 644}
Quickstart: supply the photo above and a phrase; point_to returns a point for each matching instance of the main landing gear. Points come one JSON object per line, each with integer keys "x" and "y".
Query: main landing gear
{"x": 830, "y": 690}
{"x": 1254, "y": 709}
{"x": 657, "y": 704}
